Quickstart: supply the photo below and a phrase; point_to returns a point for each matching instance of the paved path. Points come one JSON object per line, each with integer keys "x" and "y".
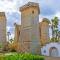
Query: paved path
{"x": 52, "y": 58}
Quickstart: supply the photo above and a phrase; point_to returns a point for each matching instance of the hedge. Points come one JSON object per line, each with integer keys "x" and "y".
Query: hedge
{"x": 18, "y": 56}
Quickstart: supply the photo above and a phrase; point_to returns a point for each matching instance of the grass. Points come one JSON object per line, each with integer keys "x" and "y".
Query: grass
{"x": 20, "y": 56}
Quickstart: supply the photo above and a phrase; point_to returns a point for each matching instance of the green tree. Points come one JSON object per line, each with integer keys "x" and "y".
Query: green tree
{"x": 55, "y": 28}
{"x": 11, "y": 40}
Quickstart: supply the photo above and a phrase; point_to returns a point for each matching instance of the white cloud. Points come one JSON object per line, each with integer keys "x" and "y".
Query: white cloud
{"x": 8, "y": 28}
{"x": 13, "y": 6}
{"x": 7, "y": 5}
{"x": 57, "y": 14}
{"x": 12, "y": 36}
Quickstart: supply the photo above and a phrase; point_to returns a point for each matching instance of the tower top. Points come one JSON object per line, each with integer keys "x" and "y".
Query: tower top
{"x": 2, "y": 13}
{"x": 46, "y": 20}
{"x": 30, "y": 4}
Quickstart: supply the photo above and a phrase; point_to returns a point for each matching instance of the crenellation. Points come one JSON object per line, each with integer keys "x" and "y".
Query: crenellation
{"x": 30, "y": 4}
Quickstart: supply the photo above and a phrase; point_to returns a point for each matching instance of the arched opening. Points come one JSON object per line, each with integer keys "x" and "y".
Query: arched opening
{"x": 53, "y": 52}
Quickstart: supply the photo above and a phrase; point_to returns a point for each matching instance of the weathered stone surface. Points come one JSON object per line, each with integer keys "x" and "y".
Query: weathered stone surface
{"x": 2, "y": 29}
{"x": 32, "y": 33}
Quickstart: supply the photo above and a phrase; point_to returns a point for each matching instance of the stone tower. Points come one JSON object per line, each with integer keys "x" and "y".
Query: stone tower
{"x": 29, "y": 35}
{"x": 2, "y": 29}
{"x": 17, "y": 32}
{"x": 44, "y": 31}
{"x": 17, "y": 37}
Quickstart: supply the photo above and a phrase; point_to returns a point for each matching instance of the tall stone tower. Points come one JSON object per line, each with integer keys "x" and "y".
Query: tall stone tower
{"x": 17, "y": 37}
{"x": 44, "y": 31}
{"x": 29, "y": 36}
{"x": 2, "y": 29}
{"x": 17, "y": 32}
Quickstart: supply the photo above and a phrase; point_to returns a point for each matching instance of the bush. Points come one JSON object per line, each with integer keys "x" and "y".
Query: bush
{"x": 17, "y": 56}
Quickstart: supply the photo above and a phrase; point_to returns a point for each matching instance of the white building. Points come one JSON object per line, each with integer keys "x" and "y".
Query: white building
{"x": 51, "y": 49}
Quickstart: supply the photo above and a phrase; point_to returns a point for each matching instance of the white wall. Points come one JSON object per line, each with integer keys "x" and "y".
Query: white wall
{"x": 48, "y": 46}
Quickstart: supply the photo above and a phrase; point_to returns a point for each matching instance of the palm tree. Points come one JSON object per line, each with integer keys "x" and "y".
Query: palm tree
{"x": 55, "y": 28}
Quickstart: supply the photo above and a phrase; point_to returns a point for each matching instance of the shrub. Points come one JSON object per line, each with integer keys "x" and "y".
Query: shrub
{"x": 17, "y": 56}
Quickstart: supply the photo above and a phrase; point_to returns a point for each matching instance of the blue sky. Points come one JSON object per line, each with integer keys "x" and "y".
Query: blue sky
{"x": 48, "y": 8}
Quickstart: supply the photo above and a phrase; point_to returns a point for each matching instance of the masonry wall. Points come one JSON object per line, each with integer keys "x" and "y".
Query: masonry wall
{"x": 2, "y": 28}
{"x": 44, "y": 32}
{"x": 30, "y": 29}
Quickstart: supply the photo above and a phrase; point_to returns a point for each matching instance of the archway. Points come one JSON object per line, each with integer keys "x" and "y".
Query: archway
{"x": 53, "y": 52}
